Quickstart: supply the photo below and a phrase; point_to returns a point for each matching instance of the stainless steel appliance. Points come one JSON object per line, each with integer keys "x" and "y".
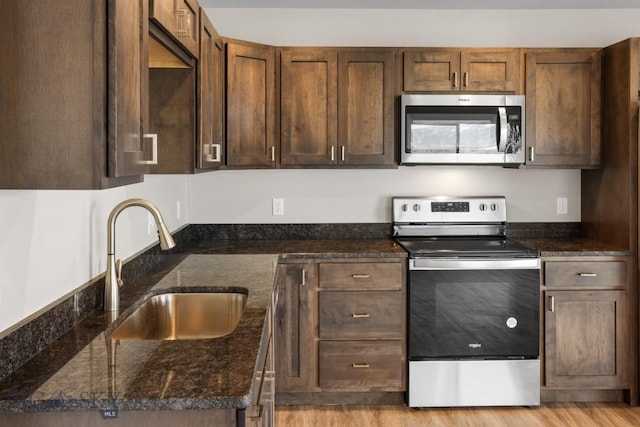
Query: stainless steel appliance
{"x": 462, "y": 129}
{"x": 473, "y": 304}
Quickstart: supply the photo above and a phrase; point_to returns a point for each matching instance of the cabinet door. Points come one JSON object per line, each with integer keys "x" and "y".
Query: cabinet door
{"x": 188, "y": 25}
{"x": 365, "y": 108}
{"x": 250, "y": 105}
{"x": 308, "y": 107}
{"x": 585, "y": 339}
{"x": 295, "y": 353}
{"x": 490, "y": 70}
{"x": 433, "y": 70}
{"x": 180, "y": 19}
{"x": 210, "y": 97}
{"x": 127, "y": 84}
{"x": 563, "y": 109}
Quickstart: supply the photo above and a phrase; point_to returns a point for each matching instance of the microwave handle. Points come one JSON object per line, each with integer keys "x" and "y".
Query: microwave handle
{"x": 504, "y": 126}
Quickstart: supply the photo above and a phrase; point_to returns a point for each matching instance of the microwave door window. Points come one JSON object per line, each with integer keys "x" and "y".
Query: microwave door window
{"x": 433, "y": 136}
{"x": 478, "y": 137}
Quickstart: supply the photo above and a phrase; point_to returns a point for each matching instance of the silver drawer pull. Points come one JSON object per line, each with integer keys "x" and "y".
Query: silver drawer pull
{"x": 360, "y": 315}
{"x": 360, "y": 365}
{"x": 360, "y": 276}
{"x": 588, "y": 274}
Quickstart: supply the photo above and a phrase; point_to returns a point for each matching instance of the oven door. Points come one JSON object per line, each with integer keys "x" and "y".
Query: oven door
{"x": 480, "y": 308}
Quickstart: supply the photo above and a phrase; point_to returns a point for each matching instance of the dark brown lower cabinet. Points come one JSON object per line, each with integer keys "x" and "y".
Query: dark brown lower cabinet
{"x": 585, "y": 339}
{"x": 340, "y": 331}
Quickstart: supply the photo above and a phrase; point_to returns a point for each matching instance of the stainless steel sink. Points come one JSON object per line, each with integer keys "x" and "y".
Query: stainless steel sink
{"x": 183, "y": 316}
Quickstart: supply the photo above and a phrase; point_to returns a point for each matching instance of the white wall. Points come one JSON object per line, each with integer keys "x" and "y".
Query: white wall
{"x": 312, "y": 196}
{"x": 54, "y": 241}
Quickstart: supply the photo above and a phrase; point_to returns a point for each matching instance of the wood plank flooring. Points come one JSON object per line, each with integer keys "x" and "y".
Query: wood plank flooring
{"x": 560, "y": 415}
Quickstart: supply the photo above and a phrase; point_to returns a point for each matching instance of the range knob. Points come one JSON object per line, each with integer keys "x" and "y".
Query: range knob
{"x": 416, "y": 207}
{"x": 494, "y": 206}
{"x": 404, "y": 207}
{"x": 483, "y": 207}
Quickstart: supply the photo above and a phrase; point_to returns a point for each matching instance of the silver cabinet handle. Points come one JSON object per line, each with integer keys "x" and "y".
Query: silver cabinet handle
{"x": 360, "y": 276}
{"x": 303, "y": 279}
{"x": 552, "y": 304}
{"x": 333, "y": 153}
{"x": 360, "y": 315}
{"x": 342, "y": 149}
{"x": 588, "y": 274}
{"x": 360, "y": 365}
{"x": 184, "y": 22}
{"x": 455, "y": 79}
{"x": 273, "y": 153}
{"x": 466, "y": 78}
{"x": 532, "y": 154}
{"x": 217, "y": 149}
{"x": 154, "y": 148}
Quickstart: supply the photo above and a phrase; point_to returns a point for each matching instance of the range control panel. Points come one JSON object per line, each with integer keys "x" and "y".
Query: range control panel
{"x": 425, "y": 210}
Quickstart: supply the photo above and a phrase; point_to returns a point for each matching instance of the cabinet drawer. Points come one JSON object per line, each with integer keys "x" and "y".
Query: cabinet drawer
{"x": 603, "y": 273}
{"x": 361, "y": 315}
{"x": 361, "y": 365}
{"x": 369, "y": 275}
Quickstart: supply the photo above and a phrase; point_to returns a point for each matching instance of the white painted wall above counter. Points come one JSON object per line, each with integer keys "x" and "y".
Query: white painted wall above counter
{"x": 348, "y": 195}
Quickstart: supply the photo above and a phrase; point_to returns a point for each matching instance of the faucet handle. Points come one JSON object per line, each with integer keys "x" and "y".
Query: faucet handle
{"x": 119, "y": 272}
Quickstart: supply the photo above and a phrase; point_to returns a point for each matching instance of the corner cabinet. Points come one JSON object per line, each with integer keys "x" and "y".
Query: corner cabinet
{"x": 73, "y": 97}
{"x": 586, "y": 337}
{"x": 340, "y": 331}
{"x": 337, "y": 107}
{"x": 455, "y": 70}
{"x": 563, "y": 108}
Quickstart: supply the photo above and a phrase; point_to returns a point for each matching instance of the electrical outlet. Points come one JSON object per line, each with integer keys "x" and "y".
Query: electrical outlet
{"x": 278, "y": 206}
{"x": 563, "y": 207}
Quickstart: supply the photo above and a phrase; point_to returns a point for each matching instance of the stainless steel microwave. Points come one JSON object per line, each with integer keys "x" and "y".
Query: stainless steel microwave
{"x": 462, "y": 129}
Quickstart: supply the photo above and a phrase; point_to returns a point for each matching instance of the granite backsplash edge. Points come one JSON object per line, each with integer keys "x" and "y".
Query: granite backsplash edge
{"x": 34, "y": 334}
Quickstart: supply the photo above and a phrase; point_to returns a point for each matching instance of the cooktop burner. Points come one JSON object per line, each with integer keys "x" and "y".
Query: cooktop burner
{"x": 457, "y": 247}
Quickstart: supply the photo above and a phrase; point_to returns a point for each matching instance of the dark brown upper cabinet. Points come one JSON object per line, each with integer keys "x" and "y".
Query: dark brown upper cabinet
{"x": 180, "y": 19}
{"x": 72, "y": 97}
{"x": 466, "y": 70}
{"x": 210, "y": 150}
{"x": 563, "y": 107}
{"x": 250, "y": 112}
{"x": 336, "y": 107}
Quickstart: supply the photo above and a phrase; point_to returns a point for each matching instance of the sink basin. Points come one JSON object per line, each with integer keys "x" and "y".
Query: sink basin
{"x": 183, "y": 316}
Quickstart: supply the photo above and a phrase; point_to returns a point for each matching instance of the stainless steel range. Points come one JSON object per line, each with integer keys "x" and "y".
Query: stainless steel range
{"x": 473, "y": 295}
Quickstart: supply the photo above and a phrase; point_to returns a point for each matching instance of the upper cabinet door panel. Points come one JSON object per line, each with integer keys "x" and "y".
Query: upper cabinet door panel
{"x": 429, "y": 70}
{"x": 308, "y": 111}
{"x": 210, "y": 97}
{"x": 180, "y": 18}
{"x": 489, "y": 70}
{"x": 563, "y": 91}
{"x": 454, "y": 70}
{"x": 128, "y": 79}
{"x": 250, "y": 106}
{"x": 365, "y": 108}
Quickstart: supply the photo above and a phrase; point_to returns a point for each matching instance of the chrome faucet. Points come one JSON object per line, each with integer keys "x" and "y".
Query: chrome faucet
{"x": 113, "y": 280}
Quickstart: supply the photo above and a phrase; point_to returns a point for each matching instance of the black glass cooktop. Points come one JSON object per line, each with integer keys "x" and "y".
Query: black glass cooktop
{"x": 459, "y": 247}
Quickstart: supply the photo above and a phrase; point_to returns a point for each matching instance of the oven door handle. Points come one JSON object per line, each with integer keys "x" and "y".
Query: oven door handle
{"x": 474, "y": 264}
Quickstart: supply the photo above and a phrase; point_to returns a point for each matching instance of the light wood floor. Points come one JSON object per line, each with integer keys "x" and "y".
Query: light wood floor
{"x": 560, "y": 415}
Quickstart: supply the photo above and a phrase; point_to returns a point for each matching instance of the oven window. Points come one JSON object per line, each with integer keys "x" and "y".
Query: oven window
{"x": 473, "y": 313}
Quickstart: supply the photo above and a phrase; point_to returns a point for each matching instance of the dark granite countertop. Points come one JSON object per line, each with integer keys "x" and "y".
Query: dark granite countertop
{"x": 573, "y": 247}
{"x": 78, "y": 371}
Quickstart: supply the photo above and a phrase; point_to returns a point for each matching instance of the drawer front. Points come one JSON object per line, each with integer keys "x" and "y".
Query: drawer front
{"x": 361, "y": 365}
{"x": 361, "y": 315}
{"x": 367, "y": 275}
{"x": 603, "y": 273}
